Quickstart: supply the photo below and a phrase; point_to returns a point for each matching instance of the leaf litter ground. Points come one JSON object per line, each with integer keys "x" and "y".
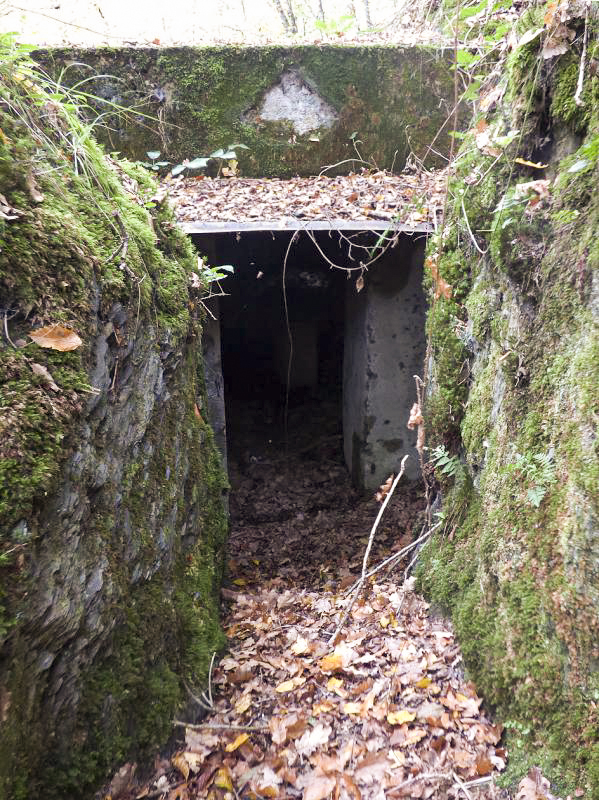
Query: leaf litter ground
{"x": 386, "y": 712}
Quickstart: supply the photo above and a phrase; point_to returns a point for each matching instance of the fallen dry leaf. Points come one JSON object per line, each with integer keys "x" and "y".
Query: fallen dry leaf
{"x": 56, "y": 337}
{"x": 239, "y": 740}
{"x": 399, "y": 717}
{"x": 316, "y": 786}
{"x": 534, "y": 786}
{"x": 313, "y": 738}
{"x": 39, "y": 369}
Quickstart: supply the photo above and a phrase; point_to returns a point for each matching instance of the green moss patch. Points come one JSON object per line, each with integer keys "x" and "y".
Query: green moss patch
{"x": 390, "y": 100}
{"x": 516, "y": 386}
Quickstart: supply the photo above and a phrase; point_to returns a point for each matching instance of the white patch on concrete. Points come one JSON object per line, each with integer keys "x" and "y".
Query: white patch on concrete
{"x": 293, "y": 100}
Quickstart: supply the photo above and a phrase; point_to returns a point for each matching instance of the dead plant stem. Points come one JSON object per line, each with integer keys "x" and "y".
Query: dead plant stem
{"x": 220, "y": 726}
{"x": 362, "y": 579}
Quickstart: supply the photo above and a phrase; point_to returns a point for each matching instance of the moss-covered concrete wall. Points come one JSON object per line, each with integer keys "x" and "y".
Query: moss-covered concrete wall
{"x": 390, "y": 99}
{"x": 515, "y": 403}
{"x": 111, "y": 519}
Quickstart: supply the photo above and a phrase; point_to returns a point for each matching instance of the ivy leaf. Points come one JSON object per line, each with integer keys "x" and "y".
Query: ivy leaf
{"x": 198, "y": 163}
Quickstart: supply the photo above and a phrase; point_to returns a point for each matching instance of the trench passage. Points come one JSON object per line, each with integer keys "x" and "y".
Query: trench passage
{"x": 386, "y": 713}
{"x": 298, "y": 505}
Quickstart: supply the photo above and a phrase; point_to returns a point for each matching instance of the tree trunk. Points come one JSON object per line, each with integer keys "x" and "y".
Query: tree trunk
{"x": 282, "y": 15}
{"x": 291, "y": 17}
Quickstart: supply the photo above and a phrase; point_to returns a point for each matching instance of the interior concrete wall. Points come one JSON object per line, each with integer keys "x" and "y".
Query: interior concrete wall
{"x": 384, "y": 349}
{"x": 213, "y": 371}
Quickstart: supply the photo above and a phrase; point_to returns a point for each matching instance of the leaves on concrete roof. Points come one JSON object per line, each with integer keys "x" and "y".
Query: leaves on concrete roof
{"x": 411, "y": 199}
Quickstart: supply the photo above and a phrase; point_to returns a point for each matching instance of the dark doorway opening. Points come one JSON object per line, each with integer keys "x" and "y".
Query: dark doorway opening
{"x": 349, "y": 381}
{"x": 298, "y": 502}
{"x": 282, "y": 294}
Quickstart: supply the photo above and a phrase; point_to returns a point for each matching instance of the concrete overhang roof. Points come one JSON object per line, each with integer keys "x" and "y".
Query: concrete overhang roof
{"x": 289, "y": 224}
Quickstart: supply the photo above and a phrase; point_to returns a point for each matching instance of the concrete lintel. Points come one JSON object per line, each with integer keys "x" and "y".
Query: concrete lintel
{"x": 291, "y": 224}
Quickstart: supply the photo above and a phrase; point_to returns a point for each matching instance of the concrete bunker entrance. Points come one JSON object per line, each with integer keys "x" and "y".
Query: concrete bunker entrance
{"x": 348, "y": 376}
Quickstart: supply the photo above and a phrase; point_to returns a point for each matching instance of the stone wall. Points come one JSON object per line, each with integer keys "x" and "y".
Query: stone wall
{"x": 111, "y": 516}
{"x": 514, "y": 403}
{"x": 296, "y": 109}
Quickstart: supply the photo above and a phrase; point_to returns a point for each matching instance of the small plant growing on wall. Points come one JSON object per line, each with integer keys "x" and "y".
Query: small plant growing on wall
{"x": 537, "y": 471}
{"x": 228, "y": 166}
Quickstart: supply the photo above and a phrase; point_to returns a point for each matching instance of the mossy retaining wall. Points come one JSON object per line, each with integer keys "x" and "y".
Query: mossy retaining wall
{"x": 391, "y": 100}
{"x": 515, "y": 401}
{"x": 112, "y": 526}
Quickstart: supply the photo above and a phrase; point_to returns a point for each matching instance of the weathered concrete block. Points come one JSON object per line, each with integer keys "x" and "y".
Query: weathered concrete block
{"x": 295, "y": 108}
{"x": 384, "y": 349}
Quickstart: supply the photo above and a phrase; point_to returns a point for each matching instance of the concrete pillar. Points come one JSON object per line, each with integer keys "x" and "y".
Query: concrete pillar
{"x": 384, "y": 349}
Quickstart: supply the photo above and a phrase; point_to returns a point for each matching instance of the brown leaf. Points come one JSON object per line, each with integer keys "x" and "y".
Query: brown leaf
{"x": 316, "y": 786}
{"x": 534, "y": 786}
{"x": 483, "y": 765}
{"x": 314, "y": 738}
{"x": 416, "y": 417}
{"x": 33, "y": 188}
{"x": 56, "y": 337}
{"x": 40, "y": 370}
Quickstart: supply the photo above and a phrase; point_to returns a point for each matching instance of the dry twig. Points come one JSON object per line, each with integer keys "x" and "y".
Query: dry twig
{"x": 220, "y": 726}
{"x": 580, "y": 84}
{"x": 362, "y": 580}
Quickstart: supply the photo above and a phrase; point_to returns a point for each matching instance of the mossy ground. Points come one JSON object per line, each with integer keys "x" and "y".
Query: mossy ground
{"x": 516, "y": 385}
{"x": 64, "y": 260}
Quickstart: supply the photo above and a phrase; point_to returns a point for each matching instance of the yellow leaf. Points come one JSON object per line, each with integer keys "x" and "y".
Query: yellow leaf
{"x": 424, "y": 683}
{"x": 267, "y": 791}
{"x": 222, "y": 780}
{"x": 286, "y": 686}
{"x": 331, "y": 663}
{"x": 352, "y": 708}
{"x": 56, "y": 337}
{"x": 243, "y": 737}
{"x": 334, "y": 685}
{"x": 180, "y": 762}
{"x": 399, "y": 717}
{"x": 321, "y": 708}
{"x": 384, "y": 622}
{"x": 242, "y": 705}
{"x": 536, "y": 165}
{"x": 239, "y": 581}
